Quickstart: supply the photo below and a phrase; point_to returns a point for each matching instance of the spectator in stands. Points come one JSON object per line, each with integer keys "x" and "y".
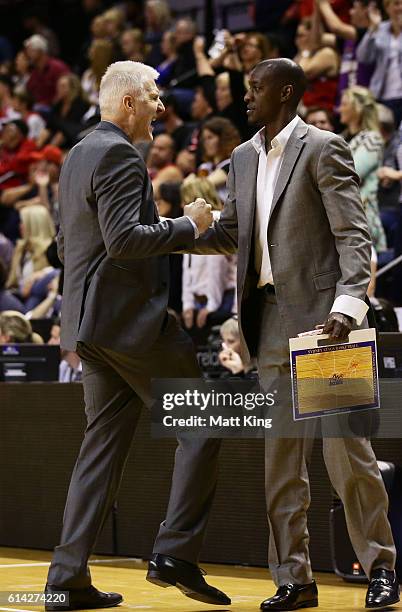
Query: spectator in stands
{"x": 358, "y": 111}
{"x": 6, "y": 251}
{"x": 114, "y": 22}
{"x": 15, "y": 159}
{"x": 100, "y": 56}
{"x": 6, "y": 52}
{"x": 158, "y": 20}
{"x": 34, "y": 23}
{"x": 132, "y": 43}
{"x": 169, "y": 206}
{"x": 184, "y": 68}
{"x": 22, "y": 103}
{"x": 7, "y": 111}
{"x": 46, "y": 71}
{"x": 66, "y": 119}
{"x": 16, "y": 329}
{"x": 351, "y": 72}
{"x": 8, "y": 301}
{"x": 42, "y": 184}
{"x": 322, "y": 118}
{"x": 208, "y": 280}
{"x": 15, "y": 154}
{"x": 218, "y": 137}
{"x": 169, "y": 200}
{"x": 227, "y": 91}
{"x": 160, "y": 162}
{"x": 229, "y": 356}
{"x": 30, "y": 272}
{"x": 170, "y": 122}
{"x": 382, "y": 46}
{"x": 320, "y": 63}
{"x": 22, "y": 71}
{"x": 252, "y": 48}
{"x": 169, "y": 52}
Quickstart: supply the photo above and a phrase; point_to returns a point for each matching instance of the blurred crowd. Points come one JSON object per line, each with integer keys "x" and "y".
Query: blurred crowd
{"x": 351, "y": 52}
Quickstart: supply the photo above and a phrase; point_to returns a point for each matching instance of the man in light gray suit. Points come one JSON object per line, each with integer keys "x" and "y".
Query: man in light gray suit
{"x": 114, "y": 314}
{"x": 295, "y": 217}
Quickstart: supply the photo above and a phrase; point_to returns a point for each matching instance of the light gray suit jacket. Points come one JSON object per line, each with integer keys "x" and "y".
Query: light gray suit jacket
{"x": 318, "y": 238}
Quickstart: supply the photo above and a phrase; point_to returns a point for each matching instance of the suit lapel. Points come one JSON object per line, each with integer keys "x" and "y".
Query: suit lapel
{"x": 248, "y": 175}
{"x": 291, "y": 154}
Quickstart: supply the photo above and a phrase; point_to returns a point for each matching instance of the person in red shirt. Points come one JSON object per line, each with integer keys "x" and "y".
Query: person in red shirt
{"x": 15, "y": 154}
{"x": 46, "y": 71}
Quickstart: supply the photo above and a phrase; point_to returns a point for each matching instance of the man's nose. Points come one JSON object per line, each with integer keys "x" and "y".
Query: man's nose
{"x": 161, "y": 107}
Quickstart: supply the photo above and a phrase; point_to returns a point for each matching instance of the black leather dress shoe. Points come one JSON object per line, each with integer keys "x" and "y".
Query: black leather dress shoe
{"x": 188, "y": 578}
{"x": 292, "y": 597}
{"x": 79, "y": 599}
{"x": 383, "y": 589}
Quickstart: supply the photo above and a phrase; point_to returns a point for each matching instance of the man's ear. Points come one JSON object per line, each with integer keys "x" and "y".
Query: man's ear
{"x": 287, "y": 93}
{"x": 129, "y": 104}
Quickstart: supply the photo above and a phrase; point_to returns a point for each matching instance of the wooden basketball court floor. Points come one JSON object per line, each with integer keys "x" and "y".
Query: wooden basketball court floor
{"x": 25, "y": 570}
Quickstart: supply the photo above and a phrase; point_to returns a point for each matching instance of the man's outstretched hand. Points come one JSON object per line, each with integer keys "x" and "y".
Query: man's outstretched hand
{"x": 200, "y": 212}
{"x": 337, "y": 325}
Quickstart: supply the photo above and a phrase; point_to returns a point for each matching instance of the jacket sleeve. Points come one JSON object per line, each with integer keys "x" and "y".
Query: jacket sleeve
{"x": 223, "y": 235}
{"x": 118, "y": 184}
{"x": 366, "y": 51}
{"x": 60, "y": 245}
{"x": 339, "y": 187}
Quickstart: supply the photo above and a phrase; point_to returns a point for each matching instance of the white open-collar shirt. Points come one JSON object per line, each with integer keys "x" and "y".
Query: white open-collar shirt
{"x": 269, "y": 165}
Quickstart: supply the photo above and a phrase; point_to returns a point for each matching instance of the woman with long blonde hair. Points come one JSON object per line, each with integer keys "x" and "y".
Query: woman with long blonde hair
{"x": 100, "y": 55}
{"x": 358, "y": 112}
{"x": 15, "y": 328}
{"x": 30, "y": 272}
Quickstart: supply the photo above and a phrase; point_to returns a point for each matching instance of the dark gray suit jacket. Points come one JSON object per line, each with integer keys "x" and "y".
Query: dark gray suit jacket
{"x": 113, "y": 246}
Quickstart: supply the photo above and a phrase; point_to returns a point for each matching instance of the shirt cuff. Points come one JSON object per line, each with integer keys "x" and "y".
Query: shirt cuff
{"x": 196, "y": 231}
{"x": 351, "y": 306}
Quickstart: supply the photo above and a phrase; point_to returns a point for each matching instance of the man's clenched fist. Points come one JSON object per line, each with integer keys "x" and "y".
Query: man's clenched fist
{"x": 200, "y": 212}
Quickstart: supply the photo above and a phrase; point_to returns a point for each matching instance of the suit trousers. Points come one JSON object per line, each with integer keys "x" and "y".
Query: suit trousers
{"x": 115, "y": 387}
{"x": 351, "y": 466}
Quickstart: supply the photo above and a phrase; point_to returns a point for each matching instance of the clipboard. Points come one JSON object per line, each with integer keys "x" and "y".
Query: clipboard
{"x": 334, "y": 377}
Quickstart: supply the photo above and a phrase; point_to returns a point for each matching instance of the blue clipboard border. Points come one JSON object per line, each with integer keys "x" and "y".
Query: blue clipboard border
{"x": 297, "y": 416}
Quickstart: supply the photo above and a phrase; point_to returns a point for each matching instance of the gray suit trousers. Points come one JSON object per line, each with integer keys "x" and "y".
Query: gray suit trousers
{"x": 115, "y": 386}
{"x": 351, "y": 466}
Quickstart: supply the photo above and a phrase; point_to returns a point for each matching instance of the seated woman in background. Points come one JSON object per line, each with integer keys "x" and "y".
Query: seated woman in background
{"x": 66, "y": 119}
{"x": 209, "y": 281}
{"x": 218, "y": 139}
{"x": 16, "y": 329}
{"x": 30, "y": 273}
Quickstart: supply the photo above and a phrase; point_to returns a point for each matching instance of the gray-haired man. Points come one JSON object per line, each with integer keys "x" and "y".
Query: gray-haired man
{"x": 114, "y": 249}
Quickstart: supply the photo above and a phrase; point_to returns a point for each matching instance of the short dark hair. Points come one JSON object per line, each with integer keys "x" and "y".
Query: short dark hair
{"x": 286, "y": 72}
{"x": 21, "y": 125}
{"x": 320, "y": 109}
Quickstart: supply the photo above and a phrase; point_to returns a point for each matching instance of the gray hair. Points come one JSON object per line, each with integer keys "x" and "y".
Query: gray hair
{"x": 122, "y": 78}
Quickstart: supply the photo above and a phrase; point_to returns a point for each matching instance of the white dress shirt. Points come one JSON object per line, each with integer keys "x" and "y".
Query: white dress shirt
{"x": 269, "y": 165}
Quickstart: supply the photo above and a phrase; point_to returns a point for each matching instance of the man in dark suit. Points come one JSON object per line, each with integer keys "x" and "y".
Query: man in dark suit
{"x": 114, "y": 314}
